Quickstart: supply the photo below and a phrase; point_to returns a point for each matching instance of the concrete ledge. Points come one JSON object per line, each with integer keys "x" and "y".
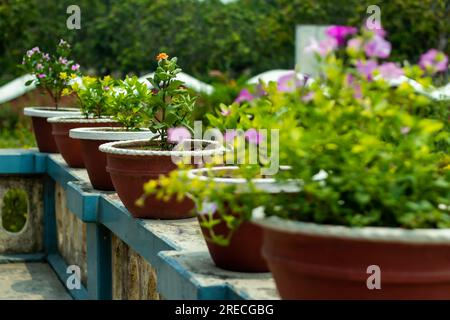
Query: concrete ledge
{"x": 176, "y": 248}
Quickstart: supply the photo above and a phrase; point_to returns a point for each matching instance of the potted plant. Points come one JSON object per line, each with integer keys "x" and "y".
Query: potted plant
{"x": 125, "y": 101}
{"x": 372, "y": 218}
{"x": 92, "y": 95}
{"x": 167, "y": 110}
{"x": 46, "y": 70}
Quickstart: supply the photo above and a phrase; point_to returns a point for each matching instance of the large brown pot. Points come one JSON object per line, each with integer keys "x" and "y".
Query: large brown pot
{"x": 42, "y": 129}
{"x": 244, "y": 250}
{"x": 69, "y": 148}
{"x": 131, "y": 165}
{"x": 94, "y": 160}
{"x": 310, "y": 261}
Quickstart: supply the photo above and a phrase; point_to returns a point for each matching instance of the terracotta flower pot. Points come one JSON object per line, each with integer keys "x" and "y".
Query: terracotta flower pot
{"x": 311, "y": 261}
{"x": 69, "y": 148}
{"x": 131, "y": 165}
{"x": 94, "y": 160}
{"x": 42, "y": 129}
{"x": 244, "y": 250}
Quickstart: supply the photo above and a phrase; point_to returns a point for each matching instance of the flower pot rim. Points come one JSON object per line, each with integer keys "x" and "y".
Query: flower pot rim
{"x": 109, "y": 134}
{"x": 268, "y": 185}
{"x": 79, "y": 119}
{"x": 117, "y": 148}
{"x": 373, "y": 234}
{"x": 45, "y": 112}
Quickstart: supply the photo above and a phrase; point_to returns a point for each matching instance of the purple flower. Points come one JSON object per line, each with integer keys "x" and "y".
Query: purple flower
{"x": 405, "y": 130}
{"x": 308, "y": 97}
{"x": 378, "y": 30}
{"x": 75, "y": 67}
{"x": 390, "y": 71}
{"x": 378, "y": 47}
{"x": 253, "y": 136}
{"x": 39, "y": 66}
{"x": 340, "y": 33}
{"x": 366, "y": 68}
{"x": 322, "y": 48}
{"x": 225, "y": 111}
{"x": 244, "y": 95}
{"x": 62, "y": 60}
{"x": 350, "y": 79}
{"x": 46, "y": 56}
{"x": 30, "y": 53}
{"x": 207, "y": 208}
{"x": 354, "y": 44}
{"x": 289, "y": 82}
{"x": 178, "y": 134}
{"x": 106, "y": 88}
{"x": 434, "y": 61}
{"x": 41, "y": 75}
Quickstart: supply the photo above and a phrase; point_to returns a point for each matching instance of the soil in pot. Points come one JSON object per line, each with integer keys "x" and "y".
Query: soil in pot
{"x": 243, "y": 254}
{"x": 42, "y": 129}
{"x": 70, "y": 148}
{"x": 131, "y": 166}
{"x": 308, "y": 266}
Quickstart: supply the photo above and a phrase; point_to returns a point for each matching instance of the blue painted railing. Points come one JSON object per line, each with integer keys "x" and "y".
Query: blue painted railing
{"x": 102, "y": 217}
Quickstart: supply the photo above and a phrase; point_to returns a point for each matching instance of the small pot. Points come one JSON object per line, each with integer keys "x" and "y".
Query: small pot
{"x": 94, "y": 160}
{"x": 243, "y": 253}
{"x": 312, "y": 261}
{"x": 69, "y": 148}
{"x": 42, "y": 129}
{"x": 131, "y": 165}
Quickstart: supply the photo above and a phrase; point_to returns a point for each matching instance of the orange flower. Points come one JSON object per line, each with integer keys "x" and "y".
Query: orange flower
{"x": 162, "y": 56}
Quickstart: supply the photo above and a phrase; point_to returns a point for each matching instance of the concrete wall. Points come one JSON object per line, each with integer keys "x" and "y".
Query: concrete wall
{"x": 30, "y": 238}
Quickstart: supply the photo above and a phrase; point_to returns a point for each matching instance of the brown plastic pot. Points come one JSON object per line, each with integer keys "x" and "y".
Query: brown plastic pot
{"x": 69, "y": 148}
{"x": 310, "y": 261}
{"x": 42, "y": 129}
{"x": 243, "y": 254}
{"x": 94, "y": 160}
{"x": 130, "y": 166}
{"x": 244, "y": 250}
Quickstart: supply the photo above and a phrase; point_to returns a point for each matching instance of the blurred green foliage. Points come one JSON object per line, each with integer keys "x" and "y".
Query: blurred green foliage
{"x": 14, "y": 210}
{"x": 246, "y": 35}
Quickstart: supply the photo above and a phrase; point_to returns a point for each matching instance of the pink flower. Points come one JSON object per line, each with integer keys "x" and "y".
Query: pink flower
{"x": 106, "y": 88}
{"x": 340, "y": 33}
{"x": 378, "y": 47}
{"x": 41, "y": 75}
{"x": 39, "y": 66}
{"x": 434, "y": 61}
{"x": 35, "y": 49}
{"x": 46, "y": 56}
{"x": 253, "y": 136}
{"x": 322, "y": 48}
{"x": 366, "y": 68}
{"x": 405, "y": 130}
{"x": 30, "y": 53}
{"x": 378, "y": 30}
{"x": 350, "y": 79}
{"x": 390, "y": 71}
{"x": 229, "y": 135}
{"x": 308, "y": 97}
{"x": 289, "y": 82}
{"x": 178, "y": 134}
{"x": 225, "y": 111}
{"x": 62, "y": 60}
{"x": 75, "y": 67}
{"x": 354, "y": 44}
{"x": 244, "y": 95}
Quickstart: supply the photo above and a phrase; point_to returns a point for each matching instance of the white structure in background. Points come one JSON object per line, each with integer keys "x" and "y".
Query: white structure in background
{"x": 275, "y": 75}
{"x": 304, "y": 35}
{"x": 15, "y": 88}
{"x": 190, "y": 82}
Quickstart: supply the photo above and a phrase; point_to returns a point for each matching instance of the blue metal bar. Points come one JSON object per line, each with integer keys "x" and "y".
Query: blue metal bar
{"x": 99, "y": 262}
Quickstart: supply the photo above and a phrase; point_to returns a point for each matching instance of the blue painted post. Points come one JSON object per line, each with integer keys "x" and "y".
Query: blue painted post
{"x": 50, "y": 237}
{"x": 99, "y": 262}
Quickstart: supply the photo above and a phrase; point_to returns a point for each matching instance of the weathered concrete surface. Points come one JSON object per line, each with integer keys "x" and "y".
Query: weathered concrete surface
{"x": 71, "y": 234}
{"x": 133, "y": 278}
{"x": 30, "y": 281}
{"x": 30, "y": 238}
{"x": 202, "y": 270}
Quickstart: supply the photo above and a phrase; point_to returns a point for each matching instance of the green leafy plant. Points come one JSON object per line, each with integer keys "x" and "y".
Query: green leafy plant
{"x": 54, "y": 73}
{"x": 170, "y": 105}
{"x": 92, "y": 95}
{"x": 127, "y": 102}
